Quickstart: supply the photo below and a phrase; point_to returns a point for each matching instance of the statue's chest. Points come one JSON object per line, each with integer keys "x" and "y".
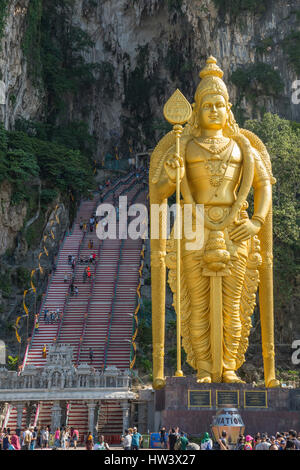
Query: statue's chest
{"x": 215, "y": 166}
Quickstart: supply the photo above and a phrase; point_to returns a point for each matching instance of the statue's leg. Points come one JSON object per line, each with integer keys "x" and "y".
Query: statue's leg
{"x": 232, "y": 289}
{"x": 198, "y": 287}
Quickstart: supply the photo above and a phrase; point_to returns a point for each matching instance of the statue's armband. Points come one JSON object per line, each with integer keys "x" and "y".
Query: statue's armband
{"x": 261, "y": 176}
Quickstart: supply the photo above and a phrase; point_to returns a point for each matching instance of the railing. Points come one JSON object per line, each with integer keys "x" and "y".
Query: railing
{"x": 6, "y": 417}
{"x": 67, "y": 297}
{"x": 69, "y": 288}
{"x": 88, "y": 304}
{"x": 94, "y": 280}
{"x": 45, "y": 295}
{"x": 110, "y": 315}
{"x": 36, "y": 415}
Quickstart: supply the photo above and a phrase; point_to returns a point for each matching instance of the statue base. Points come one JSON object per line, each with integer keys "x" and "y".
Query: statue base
{"x": 191, "y": 406}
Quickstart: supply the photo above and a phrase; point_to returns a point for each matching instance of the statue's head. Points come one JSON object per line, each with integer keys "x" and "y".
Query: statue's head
{"x": 211, "y": 109}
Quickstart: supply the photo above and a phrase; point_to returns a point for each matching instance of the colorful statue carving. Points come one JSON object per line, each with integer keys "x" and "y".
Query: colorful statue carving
{"x": 219, "y": 163}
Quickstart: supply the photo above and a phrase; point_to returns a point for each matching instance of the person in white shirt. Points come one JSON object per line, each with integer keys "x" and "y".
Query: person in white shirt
{"x": 126, "y": 442}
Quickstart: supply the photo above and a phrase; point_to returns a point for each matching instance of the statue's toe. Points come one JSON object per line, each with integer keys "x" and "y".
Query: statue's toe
{"x": 273, "y": 383}
{"x": 203, "y": 377}
{"x": 231, "y": 378}
{"x": 159, "y": 383}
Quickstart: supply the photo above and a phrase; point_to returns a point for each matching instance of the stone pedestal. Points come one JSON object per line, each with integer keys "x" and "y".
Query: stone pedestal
{"x": 125, "y": 409}
{"x": 20, "y": 408}
{"x": 91, "y": 417}
{"x": 181, "y": 404}
{"x": 55, "y": 416}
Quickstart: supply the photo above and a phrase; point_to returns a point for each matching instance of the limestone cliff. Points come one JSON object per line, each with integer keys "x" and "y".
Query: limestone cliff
{"x": 146, "y": 48}
{"x": 22, "y": 98}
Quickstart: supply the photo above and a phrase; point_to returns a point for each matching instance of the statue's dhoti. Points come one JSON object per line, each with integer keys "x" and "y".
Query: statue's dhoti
{"x": 238, "y": 301}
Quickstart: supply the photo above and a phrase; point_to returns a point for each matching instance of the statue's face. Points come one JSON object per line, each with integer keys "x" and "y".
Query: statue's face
{"x": 212, "y": 112}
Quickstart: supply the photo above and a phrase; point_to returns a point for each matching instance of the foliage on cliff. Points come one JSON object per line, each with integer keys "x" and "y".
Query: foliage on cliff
{"x": 62, "y": 169}
{"x": 54, "y": 48}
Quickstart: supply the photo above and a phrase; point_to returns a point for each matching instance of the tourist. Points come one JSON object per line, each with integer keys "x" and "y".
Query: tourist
{"x": 293, "y": 438}
{"x": 75, "y": 437}
{"x": 248, "y": 443}
{"x": 36, "y": 327}
{"x": 101, "y": 445}
{"x": 206, "y": 442}
{"x": 34, "y": 438}
{"x": 183, "y": 441}
{"x": 45, "y": 315}
{"x": 45, "y": 438}
{"x": 290, "y": 445}
{"x": 76, "y": 291}
{"x": 66, "y": 277}
{"x": 89, "y": 443}
{"x": 280, "y": 441}
{"x": 127, "y": 440}
{"x": 44, "y": 352}
{"x": 27, "y": 437}
{"x": 273, "y": 447}
{"x": 63, "y": 438}
{"x": 240, "y": 443}
{"x": 91, "y": 355}
{"x": 15, "y": 441}
{"x": 6, "y": 441}
{"x": 136, "y": 439}
{"x": 163, "y": 437}
{"x": 57, "y": 438}
{"x": 263, "y": 445}
{"x": 81, "y": 224}
{"x": 172, "y": 439}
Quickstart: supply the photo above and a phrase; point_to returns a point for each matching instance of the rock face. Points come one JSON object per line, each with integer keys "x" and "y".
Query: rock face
{"x": 22, "y": 98}
{"x": 169, "y": 42}
{"x": 11, "y": 218}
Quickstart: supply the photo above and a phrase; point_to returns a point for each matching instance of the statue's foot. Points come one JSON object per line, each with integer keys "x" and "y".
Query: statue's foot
{"x": 203, "y": 377}
{"x": 273, "y": 383}
{"x": 159, "y": 383}
{"x": 230, "y": 377}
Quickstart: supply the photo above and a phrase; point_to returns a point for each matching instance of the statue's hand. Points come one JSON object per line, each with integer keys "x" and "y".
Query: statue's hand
{"x": 171, "y": 166}
{"x": 246, "y": 229}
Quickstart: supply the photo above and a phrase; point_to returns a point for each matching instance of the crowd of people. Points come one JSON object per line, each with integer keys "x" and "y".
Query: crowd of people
{"x": 33, "y": 438}
{"x": 289, "y": 440}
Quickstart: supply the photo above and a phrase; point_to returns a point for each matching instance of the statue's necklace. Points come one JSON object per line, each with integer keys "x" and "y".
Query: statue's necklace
{"x": 215, "y": 164}
{"x": 213, "y": 148}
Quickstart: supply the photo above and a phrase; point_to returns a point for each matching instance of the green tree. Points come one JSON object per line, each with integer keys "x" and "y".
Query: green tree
{"x": 281, "y": 138}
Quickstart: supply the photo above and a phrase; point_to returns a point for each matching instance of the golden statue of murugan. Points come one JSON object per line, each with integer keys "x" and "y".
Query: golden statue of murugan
{"x": 217, "y": 164}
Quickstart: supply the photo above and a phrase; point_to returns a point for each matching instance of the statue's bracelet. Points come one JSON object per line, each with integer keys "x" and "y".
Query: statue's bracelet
{"x": 259, "y": 219}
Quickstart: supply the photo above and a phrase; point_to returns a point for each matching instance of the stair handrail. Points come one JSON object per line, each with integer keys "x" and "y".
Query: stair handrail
{"x": 67, "y": 298}
{"x": 45, "y": 295}
{"x": 107, "y": 338}
{"x": 88, "y": 304}
{"x": 110, "y": 315}
{"x": 92, "y": 287}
